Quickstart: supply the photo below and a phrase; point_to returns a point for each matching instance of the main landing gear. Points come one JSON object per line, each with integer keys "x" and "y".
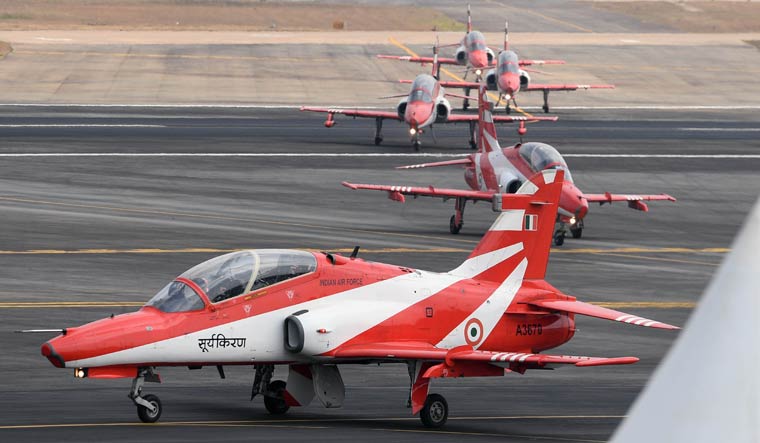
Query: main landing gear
{"x": 546, "y": 101}
{"x": 577, "y": 229}
{"x": 149, "y": 407}
{"x": 457, "y": 220}
{"x": 473, "y": 135}
{"x": 466, "y": 102}
{"x": 435, "y": 412}
{"x": 273, "y": 391}
{"x": 378, "y": 130}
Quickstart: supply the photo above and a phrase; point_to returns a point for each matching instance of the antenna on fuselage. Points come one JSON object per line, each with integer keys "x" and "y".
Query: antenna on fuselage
{"x": 506, "y": 35}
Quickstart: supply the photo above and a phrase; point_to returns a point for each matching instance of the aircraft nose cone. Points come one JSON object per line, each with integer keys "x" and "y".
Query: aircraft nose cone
{"x": 573, "y": 201}
{"x": 49, "y": 353}
{"x": 509, "y": 83}
{"x": 479, "y": 59}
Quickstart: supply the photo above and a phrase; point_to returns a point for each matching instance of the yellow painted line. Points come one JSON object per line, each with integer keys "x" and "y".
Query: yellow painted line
{"x": 318, "y": 420}
{"x": 641, "y": 250}
{"x": 180, "y": 56}
{"x": 230, "y": 218}
{"x": 543, "y": 16}
{"x": 672, "y": 260}
{"x": 493, "y": 97}
{"x": 645, "y": 304}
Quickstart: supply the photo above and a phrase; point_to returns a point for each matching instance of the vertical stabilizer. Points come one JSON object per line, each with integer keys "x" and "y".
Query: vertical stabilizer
{"x": 469, "y": 19}
{"x": 487, "y": 140}
{"x": 506, "y": 35}
{"x": 436, "y": 64}
{"x": 527, "y": 221}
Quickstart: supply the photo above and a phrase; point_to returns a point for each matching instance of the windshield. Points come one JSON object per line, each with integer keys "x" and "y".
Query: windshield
{"x": 508, "y": 62}
{"x": 541, "y": 156}
{"x": 422, "y": 89}
{"x": 476, "y": 41}
{"x": 241, "y": 272}
{"x": 176, "y": 297}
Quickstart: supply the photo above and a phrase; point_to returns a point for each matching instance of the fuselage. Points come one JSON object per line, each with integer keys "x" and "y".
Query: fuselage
{"x": 508, "y": 73}
{"x": 338, "y": 302}
{"x": 477, "y": 53}
{"x": 506, "y": 169}
{"x": 421, "y": 104}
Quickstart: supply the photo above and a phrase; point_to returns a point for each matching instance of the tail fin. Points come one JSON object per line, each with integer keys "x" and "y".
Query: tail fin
{"x": 506, "y": 35}
{"x": 526, "y": 222}
{"x": 436, "y": 65}
{"x": 469, "y": 19}
{"x": 487, "y": 139}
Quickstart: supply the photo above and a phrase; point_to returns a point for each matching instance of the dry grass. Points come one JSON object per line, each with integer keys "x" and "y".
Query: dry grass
{"x": 5, "y": 49}
{"x": 692, "y": 16}
{"x": 229, "y": 15}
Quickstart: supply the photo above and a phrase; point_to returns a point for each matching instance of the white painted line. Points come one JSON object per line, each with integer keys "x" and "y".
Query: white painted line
{"x": 284, "y": 106}
{"x": 48, "y": 39}
{"x": 82, "y": 125}
{"x": 349, "y": 155}
{"x": 721, "y": 129}
{"x": 685, "y": 156}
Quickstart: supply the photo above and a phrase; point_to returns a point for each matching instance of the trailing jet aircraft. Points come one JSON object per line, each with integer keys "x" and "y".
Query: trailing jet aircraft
{"x": 494, "y": 170}
{"x": 492, "y": 315}
{"x": 425, "y": 105}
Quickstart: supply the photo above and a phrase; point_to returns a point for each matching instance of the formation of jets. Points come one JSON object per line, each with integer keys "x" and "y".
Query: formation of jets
{"x": 493, "y": 315}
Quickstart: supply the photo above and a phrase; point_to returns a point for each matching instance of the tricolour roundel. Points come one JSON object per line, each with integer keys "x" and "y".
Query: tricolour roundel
{"x": 473, "y": 332}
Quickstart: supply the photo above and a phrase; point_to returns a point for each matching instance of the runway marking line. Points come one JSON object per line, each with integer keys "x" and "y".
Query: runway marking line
{"x": 167, "y": 55}
{"x": 452, "y": 75}
{"x": 673, "y": 260}
{"x": 344, "y": 154}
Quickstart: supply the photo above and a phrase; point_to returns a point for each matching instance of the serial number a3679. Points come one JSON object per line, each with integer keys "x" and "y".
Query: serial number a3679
{"x": 529, "y": 329}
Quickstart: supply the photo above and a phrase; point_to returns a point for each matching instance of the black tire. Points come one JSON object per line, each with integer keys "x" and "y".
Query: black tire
{"x": 473, "y": 145}
{"x": 559, "y": 239}
{"x": 453, "y": 227}
{"x": 274, "y": 400}
{"x": 435, "y": 412}
{"x": 577, "y": 232}
{"x": 465, "y": 105}
{"x": 145, "y": 415}
{"x": 546, "y": 109}
{"x": 508, "y": 109}
{"x": 378, "y": 140}
{"x": 417, "y": 146}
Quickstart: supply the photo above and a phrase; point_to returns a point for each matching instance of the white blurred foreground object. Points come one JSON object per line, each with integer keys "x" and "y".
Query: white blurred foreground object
{"x": 707, "y": 388}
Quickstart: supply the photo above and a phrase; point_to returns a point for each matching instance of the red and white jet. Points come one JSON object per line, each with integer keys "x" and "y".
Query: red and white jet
{"x": 425, "y": 105}
{"x": 492, "y": 315}
{"x": 508, "y": 78}
{"x": 494, "y": 170}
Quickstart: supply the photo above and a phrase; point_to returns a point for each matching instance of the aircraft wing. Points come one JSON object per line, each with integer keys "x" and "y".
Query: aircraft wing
{"x": 564, "y": 87}
{"x": 397, "y": 193}
{"x": 364, "y": 113}
{"x": 458, "y": 118}
{"x": 456, "y": 84}
{"x": 450, "y": 357}
{"x": 409, "y": 58}
{"x": 634, "y": 201}
{"x": 466, "y": 161}
{"x": 528, "y": 62}
{"x": 581, "y": 308}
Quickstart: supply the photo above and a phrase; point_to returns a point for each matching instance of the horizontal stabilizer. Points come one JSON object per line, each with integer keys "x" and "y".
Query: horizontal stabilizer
{"x": 581, "y": 308}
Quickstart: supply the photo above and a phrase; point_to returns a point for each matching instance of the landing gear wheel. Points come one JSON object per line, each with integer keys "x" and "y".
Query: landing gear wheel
{"x": 378, "y": 140}
{"x": 473, "y": 145}
{"x": 508, "y": 109}
{"x": 274, "y": 400}
{"x": 454, "y": 228}
{"x": 546, "y": 109}
{"x": 146, "y": 416}
{"x": 435, "y": 412}
{"x": 465, "y": 105}
{"x": 577, "y": 232}
{"x": 559, "y": 238}
{"x": 417, "y": 145}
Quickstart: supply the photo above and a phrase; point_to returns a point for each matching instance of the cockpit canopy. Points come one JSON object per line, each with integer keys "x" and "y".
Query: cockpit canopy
{"x": 508, "y": 62}
{"x": 541, "y": 156}
{"x": 422, "y": 89}
{"x": 476, "y": 41}
{"x": 231, "y": 275}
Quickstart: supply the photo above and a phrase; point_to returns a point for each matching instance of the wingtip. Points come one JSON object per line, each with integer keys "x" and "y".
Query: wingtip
{"x": 349, "y": 185}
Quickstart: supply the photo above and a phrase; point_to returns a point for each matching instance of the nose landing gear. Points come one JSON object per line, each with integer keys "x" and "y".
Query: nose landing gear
{"x": 149, "y": 407}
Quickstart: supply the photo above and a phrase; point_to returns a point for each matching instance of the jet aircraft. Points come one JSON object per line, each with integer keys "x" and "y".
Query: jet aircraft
{"x": 425, "y": 105}
{"x": 508, "y": 78}
{"x": 312, "y": 311}
{"x": 493, "y": 170}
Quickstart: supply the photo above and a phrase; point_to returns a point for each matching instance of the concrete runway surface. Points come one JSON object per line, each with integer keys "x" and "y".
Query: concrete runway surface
{"x": 108, "y": 231}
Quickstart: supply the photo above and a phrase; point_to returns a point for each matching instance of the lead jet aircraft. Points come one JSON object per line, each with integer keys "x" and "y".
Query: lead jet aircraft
{"x": 494, "y": 170}
{"x": 492, "y": 315}
{"x": 425, "y": 105}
